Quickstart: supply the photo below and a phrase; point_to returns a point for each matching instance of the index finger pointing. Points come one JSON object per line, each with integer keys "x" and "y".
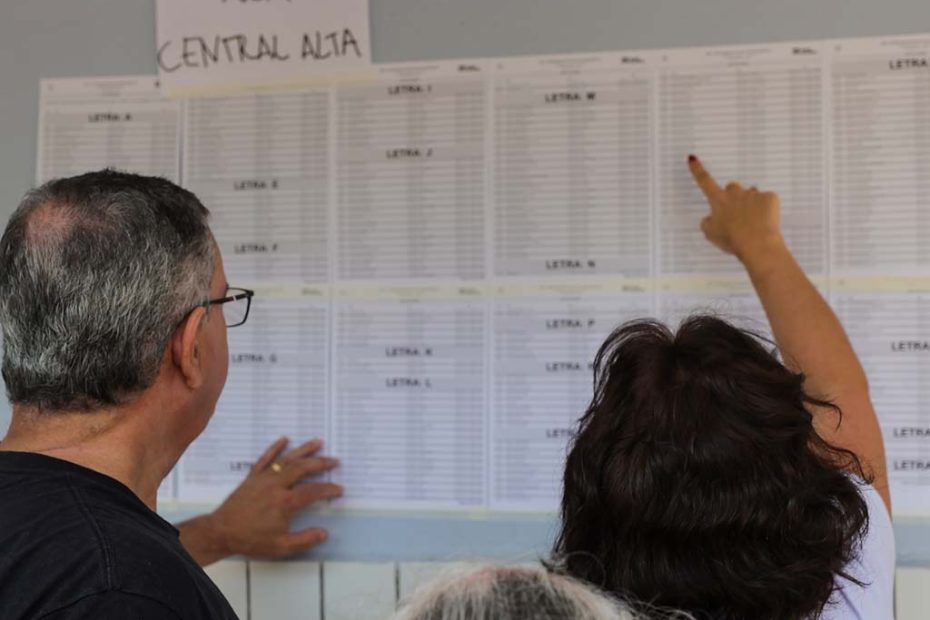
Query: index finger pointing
{"x": 702, "y": 177}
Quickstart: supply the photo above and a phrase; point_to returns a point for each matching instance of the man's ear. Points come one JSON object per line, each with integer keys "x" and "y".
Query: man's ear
{"x": 185, "y": 348}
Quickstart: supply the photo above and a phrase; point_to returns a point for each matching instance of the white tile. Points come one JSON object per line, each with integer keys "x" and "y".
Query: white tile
{"x": 230, "y": 576}
{"x": 285, "y": 590}
{"x": 912, "y": 594}
{"x": 359, "y": 591}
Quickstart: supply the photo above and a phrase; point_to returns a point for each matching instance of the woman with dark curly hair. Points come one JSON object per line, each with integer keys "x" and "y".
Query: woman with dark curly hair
{"x": 708, "y": 476}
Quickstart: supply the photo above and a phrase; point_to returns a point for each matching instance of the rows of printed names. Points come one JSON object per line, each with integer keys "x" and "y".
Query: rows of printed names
{"x": 508, "y": 173}
{"x": 470, "y": 402}
{"x": 533, "y": 167}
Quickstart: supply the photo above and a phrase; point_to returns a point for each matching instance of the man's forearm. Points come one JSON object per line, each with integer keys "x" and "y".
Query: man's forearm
{"x": 203, "y": 540}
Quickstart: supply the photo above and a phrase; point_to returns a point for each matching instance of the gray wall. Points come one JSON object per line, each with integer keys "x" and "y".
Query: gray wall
{"x": 59, "y": 38}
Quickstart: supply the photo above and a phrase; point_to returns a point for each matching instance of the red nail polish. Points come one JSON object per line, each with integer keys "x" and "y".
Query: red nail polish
{"x": 692, "y": 158}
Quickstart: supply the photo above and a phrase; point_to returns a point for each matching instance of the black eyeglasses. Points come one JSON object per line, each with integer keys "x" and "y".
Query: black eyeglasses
{"x": 237, "y": 302}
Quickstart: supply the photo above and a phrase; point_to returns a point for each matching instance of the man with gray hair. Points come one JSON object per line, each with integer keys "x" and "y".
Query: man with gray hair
{"x": 114, "y": 307}
{"x": 497, "y": 592}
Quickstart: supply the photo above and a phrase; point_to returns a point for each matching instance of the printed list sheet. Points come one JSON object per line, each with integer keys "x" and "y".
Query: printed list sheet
{"x": 439, "y": 249}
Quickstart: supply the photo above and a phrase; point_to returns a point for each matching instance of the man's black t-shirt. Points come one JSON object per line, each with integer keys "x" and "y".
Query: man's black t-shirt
{"x": 76, "y": 544}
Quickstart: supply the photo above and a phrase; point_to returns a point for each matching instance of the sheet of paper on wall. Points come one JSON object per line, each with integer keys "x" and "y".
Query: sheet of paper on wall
{"x": 440, "y": 250}
{"x": 880, "y": 225}
{"x": 210, "y": 46}
{"x": 260, "y": 162}
{"x": 91, "y": 123}
{"x": 553, "y": 283}
{"x": 409, "y": 335}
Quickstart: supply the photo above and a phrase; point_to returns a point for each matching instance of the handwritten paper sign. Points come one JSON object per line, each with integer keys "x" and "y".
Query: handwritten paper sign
{"x": 208, "y": 46}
